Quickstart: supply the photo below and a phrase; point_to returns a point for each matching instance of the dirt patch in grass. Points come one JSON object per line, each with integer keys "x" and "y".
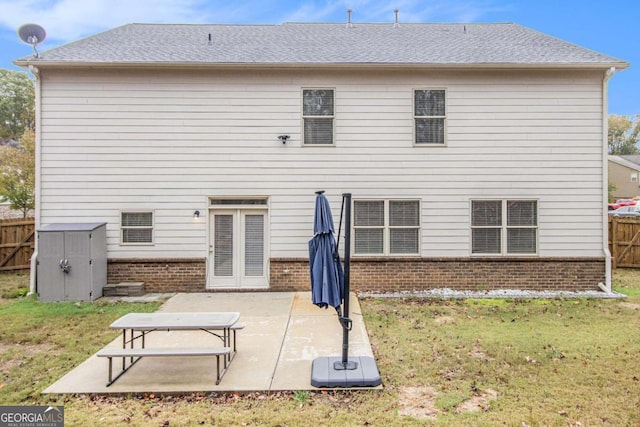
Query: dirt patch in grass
{"x": 417, "y": 402}
{"x": 630, "y": 305}
{"x": 478, "y": 402}
{"x": 420, "y": 402}
{"x": 22, "y": 352}
{"x": 444, "y": 320}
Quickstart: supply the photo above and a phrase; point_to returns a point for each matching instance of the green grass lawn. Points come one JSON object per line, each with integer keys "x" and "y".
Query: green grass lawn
{"x": 566, "y": 362}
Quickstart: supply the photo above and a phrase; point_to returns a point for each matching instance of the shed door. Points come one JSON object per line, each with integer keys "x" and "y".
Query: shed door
{"x": 237, "y": 255}
{"x": 77, "y": 248}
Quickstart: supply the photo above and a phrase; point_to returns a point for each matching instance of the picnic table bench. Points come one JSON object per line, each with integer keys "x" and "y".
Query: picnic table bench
{"x": 135, "y": 327}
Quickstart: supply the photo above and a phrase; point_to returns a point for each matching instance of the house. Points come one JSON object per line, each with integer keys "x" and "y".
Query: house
{"x": 623, "y": 175}
{"x": 201, "y": 147}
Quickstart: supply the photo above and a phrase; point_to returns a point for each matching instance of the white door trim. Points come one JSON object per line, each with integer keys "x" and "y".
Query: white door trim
{"x": 240, "y": 251}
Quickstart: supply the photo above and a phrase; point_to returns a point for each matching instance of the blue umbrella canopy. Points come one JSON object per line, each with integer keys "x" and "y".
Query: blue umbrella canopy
{"x": 327, "y": 276}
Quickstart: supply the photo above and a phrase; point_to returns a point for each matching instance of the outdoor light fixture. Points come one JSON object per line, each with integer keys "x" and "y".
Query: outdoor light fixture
{"x": 196, "y": 215}
{"x": 284, "y": 138}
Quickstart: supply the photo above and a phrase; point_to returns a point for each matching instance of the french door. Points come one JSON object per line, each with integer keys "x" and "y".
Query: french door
{"x": 237, "y": 248}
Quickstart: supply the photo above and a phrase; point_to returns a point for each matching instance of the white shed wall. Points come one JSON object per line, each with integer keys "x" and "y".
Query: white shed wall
{"x": 167, "y": 140}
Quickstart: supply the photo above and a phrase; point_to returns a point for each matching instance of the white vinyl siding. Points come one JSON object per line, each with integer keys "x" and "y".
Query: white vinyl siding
{"x": 318, "y": 111}
{"x": 386, "y": 227}
{"x": 429, "y": 109}
{"x": 492, "y": 234}
{"x": 136, "y": 228}
{"x": 167, "y": 141}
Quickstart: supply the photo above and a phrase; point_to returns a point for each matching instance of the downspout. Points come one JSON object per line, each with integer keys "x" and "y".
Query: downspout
{"x": 38, "y": 105}
{"x": 606, "y": 287}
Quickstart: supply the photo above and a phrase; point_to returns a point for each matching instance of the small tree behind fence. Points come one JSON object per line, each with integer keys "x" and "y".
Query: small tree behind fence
{"x": 17, "y": 242}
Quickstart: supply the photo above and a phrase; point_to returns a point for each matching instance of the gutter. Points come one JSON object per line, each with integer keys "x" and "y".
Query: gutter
{"x": 606, "y": 287}
{"x": 619, "y": 65}
{"x": 34, "y": 258}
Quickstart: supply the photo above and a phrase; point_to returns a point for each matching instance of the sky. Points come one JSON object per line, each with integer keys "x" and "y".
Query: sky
{"x": 606, "y": 26}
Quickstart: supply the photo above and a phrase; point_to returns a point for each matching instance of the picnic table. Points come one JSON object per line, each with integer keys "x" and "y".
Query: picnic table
{"x": 136, "y": 326}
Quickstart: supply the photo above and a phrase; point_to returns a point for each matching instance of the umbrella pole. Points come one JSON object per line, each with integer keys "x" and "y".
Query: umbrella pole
{"x": 345, "y": 321}
{"x": 334, "y": 371}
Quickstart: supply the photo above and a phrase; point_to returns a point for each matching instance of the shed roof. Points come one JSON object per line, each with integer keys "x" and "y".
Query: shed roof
{"x": 304, "y": 44}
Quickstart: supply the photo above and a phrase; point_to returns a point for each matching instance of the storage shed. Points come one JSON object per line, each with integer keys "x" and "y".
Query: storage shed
{"x": 72, "y": 262}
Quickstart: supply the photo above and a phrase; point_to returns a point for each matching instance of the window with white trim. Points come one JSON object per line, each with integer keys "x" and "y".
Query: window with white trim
{"x": 136, "y": 228}
{"x": 386, "y": 227}
{"x": 318, "y": 113}
{"x": 504, "y": 227}
{"x": 429, "y": 111}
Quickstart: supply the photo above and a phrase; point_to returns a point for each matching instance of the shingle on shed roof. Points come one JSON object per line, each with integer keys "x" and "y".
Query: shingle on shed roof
{"x": 309, "y": 44}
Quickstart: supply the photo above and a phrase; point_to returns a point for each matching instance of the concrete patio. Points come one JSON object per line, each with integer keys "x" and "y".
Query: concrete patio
{"x": 283, "y": 333}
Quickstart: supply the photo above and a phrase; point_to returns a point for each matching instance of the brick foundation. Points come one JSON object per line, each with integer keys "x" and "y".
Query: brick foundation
{"x": 477, "y": 274}
{"x": 382, "y": 275}
{"x": 160, "y": 275}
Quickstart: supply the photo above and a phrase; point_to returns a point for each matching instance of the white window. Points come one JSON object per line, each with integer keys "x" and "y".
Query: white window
{"x": 136, "y": 228}
{"x": 634, "y": 177}
{"x": 386, "y": 227}
{"x": 318, "y": 114}
{"x": 492, "y": 234}
{"x": 429, "y": 111}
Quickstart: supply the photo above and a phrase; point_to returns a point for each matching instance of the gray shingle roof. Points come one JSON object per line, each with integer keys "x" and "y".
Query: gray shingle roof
{"x": 326, "y": 44}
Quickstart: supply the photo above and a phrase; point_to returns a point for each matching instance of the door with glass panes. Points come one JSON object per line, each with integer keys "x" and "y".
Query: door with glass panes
{"x": 237, "y": 249}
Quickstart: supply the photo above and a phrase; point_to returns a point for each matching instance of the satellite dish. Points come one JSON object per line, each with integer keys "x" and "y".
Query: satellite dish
{"x": 32, "y": 34}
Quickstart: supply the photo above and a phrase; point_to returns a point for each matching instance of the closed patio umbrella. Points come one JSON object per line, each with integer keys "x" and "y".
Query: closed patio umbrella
{"x": 327, "y": 276}
{"x": 330, "y": 287}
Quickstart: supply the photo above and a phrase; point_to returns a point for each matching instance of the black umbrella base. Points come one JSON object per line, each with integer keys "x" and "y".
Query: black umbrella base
{"x": 361, "y": 371}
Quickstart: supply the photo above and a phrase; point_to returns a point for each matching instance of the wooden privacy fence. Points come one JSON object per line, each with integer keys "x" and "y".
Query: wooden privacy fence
{"x": 17, "y": 237}
{"x": 624, "y": 242}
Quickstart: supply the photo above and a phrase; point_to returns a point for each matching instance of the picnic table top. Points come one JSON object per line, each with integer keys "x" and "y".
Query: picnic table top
{"x": 177, "y": 320}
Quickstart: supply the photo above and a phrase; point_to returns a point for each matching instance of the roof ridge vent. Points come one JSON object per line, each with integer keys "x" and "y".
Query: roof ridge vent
{"x": 397, "y": 23}
{"x": 349, "y": 24}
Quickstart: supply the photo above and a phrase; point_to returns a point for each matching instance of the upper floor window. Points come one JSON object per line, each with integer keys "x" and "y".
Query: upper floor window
{"x": 318, "y": 114}
{"x": 492, "y": 234}
{"x": 136, "y": 227}
{"x": 429, "y": 110}
{"x": 386, "y": 227}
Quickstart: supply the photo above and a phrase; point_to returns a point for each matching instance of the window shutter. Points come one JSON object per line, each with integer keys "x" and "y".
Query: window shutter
{"x": 223, "y": 246}
{"x": 254, "y": 245}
